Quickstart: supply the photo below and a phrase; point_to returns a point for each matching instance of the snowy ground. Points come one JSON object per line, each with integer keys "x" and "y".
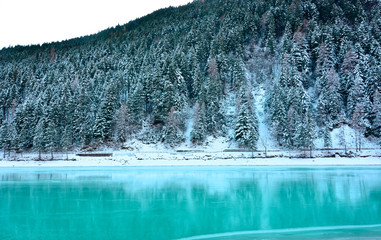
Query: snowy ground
{"x": 211, "y": 154}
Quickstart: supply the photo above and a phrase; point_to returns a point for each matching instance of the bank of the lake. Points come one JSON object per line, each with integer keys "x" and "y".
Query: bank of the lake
{"x": 75, "y": 161}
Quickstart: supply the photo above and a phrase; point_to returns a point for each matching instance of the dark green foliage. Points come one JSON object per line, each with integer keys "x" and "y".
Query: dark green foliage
{"x": 315, "y": 53}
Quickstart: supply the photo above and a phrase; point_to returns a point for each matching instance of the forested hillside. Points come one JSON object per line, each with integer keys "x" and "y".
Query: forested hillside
{"x": 319, "y": 61}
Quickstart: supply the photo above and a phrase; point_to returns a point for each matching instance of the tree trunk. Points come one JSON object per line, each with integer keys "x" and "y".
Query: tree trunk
{"x": 345, "y": 149}
{"x": 265, "y": 152}
{"x": 310, "y": 152}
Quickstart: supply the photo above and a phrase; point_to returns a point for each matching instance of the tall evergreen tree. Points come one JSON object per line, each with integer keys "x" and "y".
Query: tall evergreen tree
{"x": 104, "y": 121}
{"x": 377, "y": 113}
{"x": 246, "y": 129}
{"x": 39, "y": 139}
{"x": 5, "y": 138}
{"x": 198, "y": 133}
{"x": 329, "y": 101}
{"x": 305, "y": 133}
{"x": 172, "y": 134}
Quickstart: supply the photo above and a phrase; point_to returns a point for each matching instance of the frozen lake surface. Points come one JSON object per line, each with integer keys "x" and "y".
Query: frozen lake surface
{"x": 191, "y": 203}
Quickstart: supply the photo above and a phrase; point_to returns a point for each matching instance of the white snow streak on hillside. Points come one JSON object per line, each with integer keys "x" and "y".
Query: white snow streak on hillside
{"x": 265, "y": 138}
{"x": 189, "y": 128}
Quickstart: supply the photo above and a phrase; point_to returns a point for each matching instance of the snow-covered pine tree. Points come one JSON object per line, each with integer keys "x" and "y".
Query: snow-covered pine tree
{"x": 51, "y": 137}
{"x": 5, "y": 139}
{"x": 214, "y": 117}
{"x": 357, "y": 95}
{"x": 198, "y": 133}
{"x": 305, "y": 132}
{"x": 136, "y": 103}
{"x": 300, "y": 58}
{"x": 105, "y": 117}
{"x": 66, "y": 140}
{"x": 246, "y": 129}
{"x": 239, "y": 76}
{"x": 83, "y": 116}
{"x": 286, "y": 39}
{"x": 329, "y": 101}
{"x": 197, "y": 79}
{"x": 327, "y": 138}
{"x": 284, "y": 80}
{"x": 271, "y": 33}
{"x": 291, "y": 128}
{"x": 277, "y": 112}
{"x": 324, "y": 64}
{"x": 25, "y": 122}
{"x": 225, "y": 70}
{"x": 172, "y": 133}
{"x": 359, "y": 124}
{"x": 347, "y": 73}
{"x": 377, "y": 114}
{"x": 122, "y": 124}
{"x": 39, "y": 139}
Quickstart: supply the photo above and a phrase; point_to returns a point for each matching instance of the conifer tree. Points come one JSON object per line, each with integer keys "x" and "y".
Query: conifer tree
{"x": 246, "y": 129}
{"x": 136, "y": 103}
{"x": 5, "y": 139}
{"x": 377, "y": 113}
{"x": 324, "y": 64}
{"x": 359, "y": 124}
{"x": 39, "y": 139}
{"x": 305, "y": 133}
{"x": 51, "y": 137}
{"x": 290, "y": 131}
{"x": 286, "y": 39}
{"x": 104, "y": 121}
{"x": 327, "y": 138}
{"x": 277, "y": 112}
{"x": 172, "y": 133}
{"x": 357, "y": 95}
{"x": 122, "y": 124}
{"x": 347, "y": 73}
{"x": 197, "y": 79}
{"x": 214, "y": 117}
{"x": 329, "y": 101}
{"x": 300, "y": 59}
{"x": 66, "y": 140}
{"x": 198, "y": 133}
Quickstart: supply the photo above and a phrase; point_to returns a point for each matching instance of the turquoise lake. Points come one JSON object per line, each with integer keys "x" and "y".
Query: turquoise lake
{"x": 190, "y": 203}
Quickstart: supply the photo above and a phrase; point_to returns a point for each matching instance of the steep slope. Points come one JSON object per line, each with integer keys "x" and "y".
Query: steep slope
{"x": 319, "y": 62}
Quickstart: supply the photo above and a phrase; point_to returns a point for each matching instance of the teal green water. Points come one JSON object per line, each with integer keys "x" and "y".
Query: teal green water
{"x": 191, "y": 203}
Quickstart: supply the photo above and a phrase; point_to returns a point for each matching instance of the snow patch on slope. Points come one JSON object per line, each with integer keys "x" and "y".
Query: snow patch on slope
{"x": 265, "y": 138}
{"x": 345, "y": 136}
{"x": 189, "y": 127}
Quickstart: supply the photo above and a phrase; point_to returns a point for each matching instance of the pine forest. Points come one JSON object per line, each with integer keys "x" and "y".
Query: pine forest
{"x": 191, "y": 72}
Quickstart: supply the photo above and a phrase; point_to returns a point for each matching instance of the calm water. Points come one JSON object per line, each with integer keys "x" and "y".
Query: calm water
{"x": 191, "y": 203}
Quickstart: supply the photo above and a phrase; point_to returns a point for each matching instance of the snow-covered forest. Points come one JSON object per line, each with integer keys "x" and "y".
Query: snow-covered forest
{"x": 183, "y": 74}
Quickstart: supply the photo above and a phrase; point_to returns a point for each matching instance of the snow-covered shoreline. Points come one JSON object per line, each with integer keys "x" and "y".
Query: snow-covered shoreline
{"x": 140, "y": 162}
{"x": 215, "y": 153}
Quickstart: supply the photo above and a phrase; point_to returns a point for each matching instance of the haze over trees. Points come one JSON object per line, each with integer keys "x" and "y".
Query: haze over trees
{"x": 319, "y": 61}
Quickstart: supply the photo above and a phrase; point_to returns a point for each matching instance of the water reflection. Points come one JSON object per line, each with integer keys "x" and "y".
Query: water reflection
{"x": 170, "y": 203}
